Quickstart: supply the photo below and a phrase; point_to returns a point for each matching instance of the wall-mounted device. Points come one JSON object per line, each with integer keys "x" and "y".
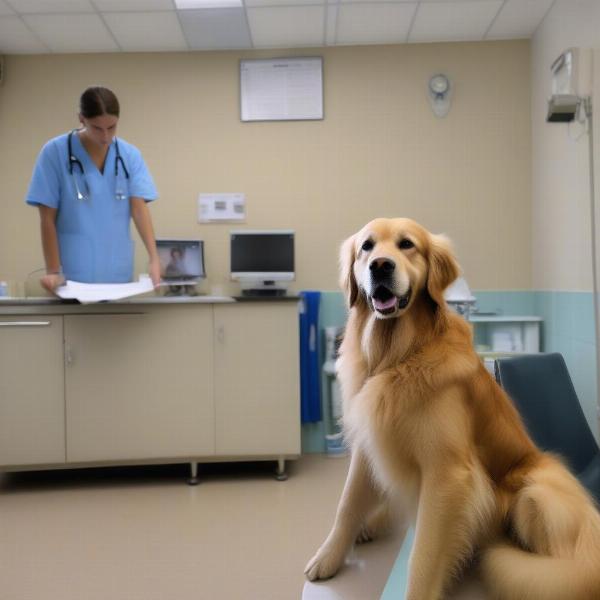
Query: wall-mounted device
{"x": 439, "y": 91}
{"x": 262, "y": 261}
{"x": 215, "y": 208}
{"x": 571, "y": 82}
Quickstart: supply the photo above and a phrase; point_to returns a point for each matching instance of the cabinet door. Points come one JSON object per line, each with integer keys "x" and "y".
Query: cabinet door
{"x": 139, "y": 386}
{"x": 257, "y": 399}
{"x": 32, "y": 400}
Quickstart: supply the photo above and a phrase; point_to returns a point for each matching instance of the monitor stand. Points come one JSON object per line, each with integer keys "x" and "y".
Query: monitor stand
{"x": 267, "y": 288}
{"x": 264, "y": 292}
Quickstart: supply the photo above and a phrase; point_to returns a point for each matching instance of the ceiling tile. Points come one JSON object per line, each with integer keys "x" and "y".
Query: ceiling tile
{"x": 378, "y": 1}
{"x": 200, "y": 4}
{"x": 15, "y": 38}
{"x": 276, "y": 3}
{"x": 519, "y": 18}
{"x": 374, "y": 23}
{"x": 287, "y": 26}
{"x": 5, "y": 9}
{"x": 51, "y": 6}
{"x": 133, "y": 5}
{"x": 453, "y": 21}
{"x": 215, "y": 28}
{"x": 132, "y": 25}
{"x": 445, "y": 1}
{"x": 72, "y": 33}
{"x": 136, "y": 32}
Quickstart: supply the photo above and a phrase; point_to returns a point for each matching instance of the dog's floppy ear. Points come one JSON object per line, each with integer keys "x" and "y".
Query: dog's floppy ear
{"x": 347, "y": 280}
{"x": 443, "y": 268}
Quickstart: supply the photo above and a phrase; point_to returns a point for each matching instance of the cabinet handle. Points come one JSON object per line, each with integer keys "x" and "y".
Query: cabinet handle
{"x": 24, "y": 323}
{"x": 68, "y": 355}
{"x": 221, "y": 333}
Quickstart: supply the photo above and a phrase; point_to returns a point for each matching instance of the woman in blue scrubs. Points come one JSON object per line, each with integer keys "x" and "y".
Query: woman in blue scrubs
{"x": 87, "y": 185}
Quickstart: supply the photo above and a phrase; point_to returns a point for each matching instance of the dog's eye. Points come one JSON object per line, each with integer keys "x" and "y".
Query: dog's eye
{"x": 405, "y": 244}
{"x": 368, "y": 245}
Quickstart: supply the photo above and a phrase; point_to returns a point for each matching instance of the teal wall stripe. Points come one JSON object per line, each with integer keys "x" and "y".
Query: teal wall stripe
{"x": 569, "y": 328}
{"x": 506, "y": 302}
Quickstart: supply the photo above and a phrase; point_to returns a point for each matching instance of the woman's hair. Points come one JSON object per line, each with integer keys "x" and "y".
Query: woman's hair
{"x": 97, "y": 101}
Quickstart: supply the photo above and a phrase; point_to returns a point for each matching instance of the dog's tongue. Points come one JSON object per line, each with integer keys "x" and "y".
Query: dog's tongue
{"x": 384, "y": 304}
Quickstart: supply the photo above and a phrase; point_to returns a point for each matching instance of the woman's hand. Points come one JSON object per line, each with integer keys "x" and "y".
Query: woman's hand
{"x": 154, "y": 271}
{"x": 51, "y": 281}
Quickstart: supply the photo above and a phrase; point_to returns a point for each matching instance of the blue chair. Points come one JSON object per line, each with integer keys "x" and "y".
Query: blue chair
{"x": 542, "y": 390}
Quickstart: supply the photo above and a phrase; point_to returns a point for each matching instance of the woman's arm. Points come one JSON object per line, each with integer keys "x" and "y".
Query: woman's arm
{"x": 143, "y": 223}
{"x": 53, "y": 277}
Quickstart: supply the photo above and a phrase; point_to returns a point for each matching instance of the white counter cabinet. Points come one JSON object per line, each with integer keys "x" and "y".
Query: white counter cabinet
{"x": 148, "y": 383}
{"x": 508, "y": 334}
{"x": 139, "y": 386}
{"x": 256, "y": 375}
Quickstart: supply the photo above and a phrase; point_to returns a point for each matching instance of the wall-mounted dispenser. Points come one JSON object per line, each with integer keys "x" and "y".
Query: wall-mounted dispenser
{"x": 571, "y": 82}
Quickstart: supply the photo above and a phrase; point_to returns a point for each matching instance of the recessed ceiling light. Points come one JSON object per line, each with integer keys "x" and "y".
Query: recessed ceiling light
{"x": 190, "y": 4}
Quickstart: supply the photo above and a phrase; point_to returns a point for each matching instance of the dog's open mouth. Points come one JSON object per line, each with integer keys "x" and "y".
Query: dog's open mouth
{"x": 386, "y": 302}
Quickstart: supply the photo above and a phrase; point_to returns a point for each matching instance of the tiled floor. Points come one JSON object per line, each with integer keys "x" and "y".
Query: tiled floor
{"x": 143, "y": 534}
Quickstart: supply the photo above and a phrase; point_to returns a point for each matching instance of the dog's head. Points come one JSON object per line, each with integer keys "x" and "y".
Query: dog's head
{"x": 390, "y": 262}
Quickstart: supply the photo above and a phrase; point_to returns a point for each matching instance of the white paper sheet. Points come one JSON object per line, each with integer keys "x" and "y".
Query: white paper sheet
{"x": 103, "y": 292}
{"x": 281, "y": 89}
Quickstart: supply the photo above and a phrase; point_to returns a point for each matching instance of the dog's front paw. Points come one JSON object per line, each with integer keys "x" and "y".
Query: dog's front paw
{"x": 324, "y": 564}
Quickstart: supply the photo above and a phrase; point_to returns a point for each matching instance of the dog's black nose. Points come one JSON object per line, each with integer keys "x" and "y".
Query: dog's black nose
{"x": 381, "y": 268}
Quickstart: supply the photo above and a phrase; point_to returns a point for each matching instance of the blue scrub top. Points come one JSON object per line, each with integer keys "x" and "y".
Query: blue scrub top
{"x": 93, "y": 235}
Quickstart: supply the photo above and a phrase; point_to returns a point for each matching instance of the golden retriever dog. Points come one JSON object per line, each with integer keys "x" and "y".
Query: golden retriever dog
{"x": 433, "y": 437}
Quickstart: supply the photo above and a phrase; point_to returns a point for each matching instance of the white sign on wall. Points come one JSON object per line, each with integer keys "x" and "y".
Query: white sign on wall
{"x": 284, "y": 89}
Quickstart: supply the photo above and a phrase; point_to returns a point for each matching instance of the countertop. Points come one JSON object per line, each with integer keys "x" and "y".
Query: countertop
{"x": 45, "y": 300}
{"x": 57, "y": 306}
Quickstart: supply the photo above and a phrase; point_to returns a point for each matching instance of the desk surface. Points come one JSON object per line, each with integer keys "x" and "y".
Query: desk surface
{"x": 379, "y": 570}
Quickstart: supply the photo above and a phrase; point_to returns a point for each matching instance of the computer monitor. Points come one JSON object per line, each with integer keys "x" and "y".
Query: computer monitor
{"x": 262, "y": 260}
{"x": 181, "y": 261}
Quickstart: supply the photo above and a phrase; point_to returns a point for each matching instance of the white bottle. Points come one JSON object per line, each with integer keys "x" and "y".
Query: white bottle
{"x": 3, "y": 288}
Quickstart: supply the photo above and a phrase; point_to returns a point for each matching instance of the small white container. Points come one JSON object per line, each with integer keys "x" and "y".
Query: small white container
{"x": 335, "y": 445}
{"x": 3, "y": 288}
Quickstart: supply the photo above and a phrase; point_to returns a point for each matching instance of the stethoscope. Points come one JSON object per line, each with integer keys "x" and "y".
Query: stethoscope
{"x": 74, "y": 161}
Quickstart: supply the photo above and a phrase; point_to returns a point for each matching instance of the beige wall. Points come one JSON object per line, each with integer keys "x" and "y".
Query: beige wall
{"x": 379, "y": 151}
{"x": 561, "y": 233}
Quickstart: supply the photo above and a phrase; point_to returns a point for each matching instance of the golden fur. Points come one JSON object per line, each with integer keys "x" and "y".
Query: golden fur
{"x": 434, "y": 437}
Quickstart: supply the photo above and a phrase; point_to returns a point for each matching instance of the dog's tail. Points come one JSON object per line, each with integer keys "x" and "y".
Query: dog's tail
{"x": 515, "y": 574}
{"x": 555, "y": 517}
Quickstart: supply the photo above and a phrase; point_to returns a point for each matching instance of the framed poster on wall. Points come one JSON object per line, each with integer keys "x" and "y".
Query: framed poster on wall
{"x": 282, "y": 89}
